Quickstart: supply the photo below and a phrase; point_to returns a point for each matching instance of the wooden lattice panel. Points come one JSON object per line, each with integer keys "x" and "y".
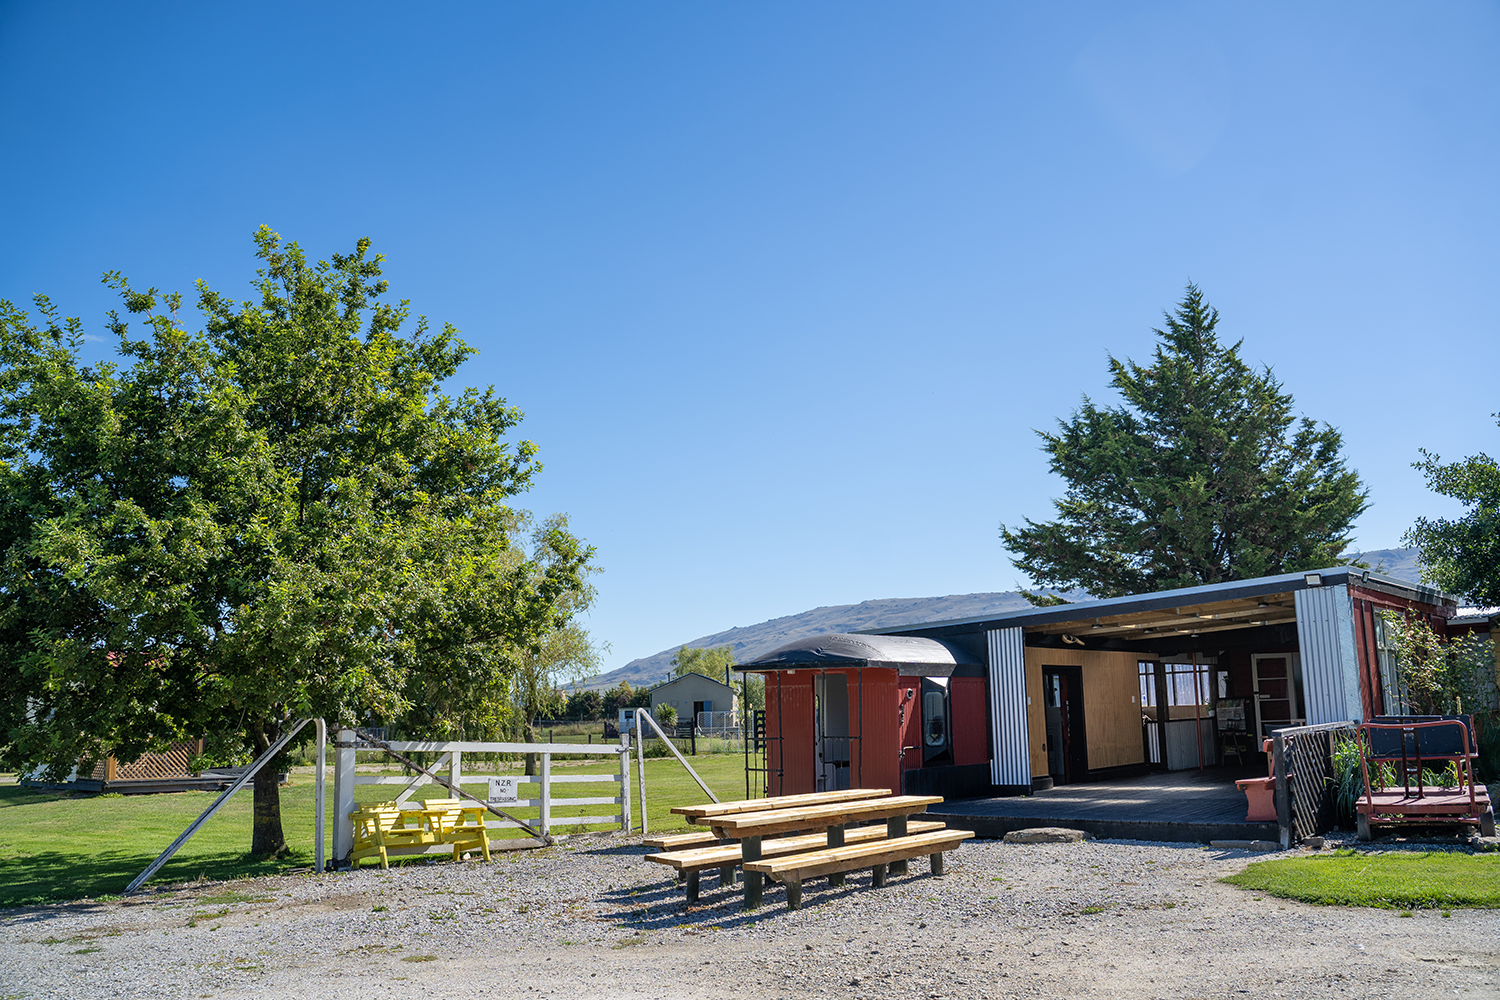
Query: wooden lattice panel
{"x": 173, "y": 763}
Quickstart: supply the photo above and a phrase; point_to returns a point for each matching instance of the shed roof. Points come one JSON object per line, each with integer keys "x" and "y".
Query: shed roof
{"x": 843, "y": 648}
{"x": 1115, "y": 610}
{"x": 691, "y": 673}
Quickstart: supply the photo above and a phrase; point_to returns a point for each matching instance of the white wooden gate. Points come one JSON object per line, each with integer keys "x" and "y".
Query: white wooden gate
{"x": 534, "y": 792}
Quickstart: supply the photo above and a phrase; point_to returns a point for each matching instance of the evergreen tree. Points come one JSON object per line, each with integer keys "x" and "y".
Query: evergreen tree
{"x": 1462, "y": 556}
{"x": 1202, "y": 475}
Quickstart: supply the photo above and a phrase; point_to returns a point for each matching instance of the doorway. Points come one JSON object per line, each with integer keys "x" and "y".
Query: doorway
{"x": 1067, "y": 745}
{"x": 1274, "y": 679}
{"x": 831, "y": 697}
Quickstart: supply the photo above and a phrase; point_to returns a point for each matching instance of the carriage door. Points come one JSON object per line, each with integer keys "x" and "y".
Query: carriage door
{"x": 831, "y": 692}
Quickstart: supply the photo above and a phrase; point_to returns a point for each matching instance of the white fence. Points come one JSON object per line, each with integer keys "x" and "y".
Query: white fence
{"x": 515, "y": 792}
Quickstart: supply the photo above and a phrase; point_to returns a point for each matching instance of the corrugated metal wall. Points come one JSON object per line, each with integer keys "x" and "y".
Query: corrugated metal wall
{"x": 1010, "y": 763}
{"x": 877, "y": 756}
{"x": 970, "y": 734}
{"x": 1330, "y": 664}
{"x": 789, "y": 715}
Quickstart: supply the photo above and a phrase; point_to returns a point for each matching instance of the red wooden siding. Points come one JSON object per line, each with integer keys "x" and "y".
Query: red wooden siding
{"x": 1366, "y": 605}
{"x": 970, "y": 731}
{"x": 911, "y": 725}
{"x": 789, "y": 715}
{"x": 877, "y": 757}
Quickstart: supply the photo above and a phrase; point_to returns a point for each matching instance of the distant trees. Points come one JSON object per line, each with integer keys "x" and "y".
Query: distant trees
{"x": 1462, "y": 556}
{"x": 710, "y": 661}
{"x": 1202, "y": 475}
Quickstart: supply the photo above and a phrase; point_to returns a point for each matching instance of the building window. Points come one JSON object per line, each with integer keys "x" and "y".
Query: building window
{"x": 1392, "y": 686}
{"x": 1187, "y": 685}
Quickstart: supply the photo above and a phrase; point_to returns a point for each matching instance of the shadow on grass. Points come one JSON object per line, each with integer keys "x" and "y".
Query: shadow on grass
{"x": 57, "y": 876}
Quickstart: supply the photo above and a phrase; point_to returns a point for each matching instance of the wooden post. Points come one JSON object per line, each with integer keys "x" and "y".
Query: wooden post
{"x": 625, "y": 789}
{"x": 692, "y": 886}
{"x": 546, "y": 794}
{"x": 726, "y": 876}
{"x": 1283, "y": 789}
{"x": 343, "y": 797}
{"x": 836, "y": 839}
{"x": 896, "y": 827}
{"x": 455, "y": 770}
{"x": 877, "y": 875}
{"x": 750, "y": 851}
{"x": 937, "y": 863}
{"x": 318, "y": 805}
{"x": 794, "y": 894}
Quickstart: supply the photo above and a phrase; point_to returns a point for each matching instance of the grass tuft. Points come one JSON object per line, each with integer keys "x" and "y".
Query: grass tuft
{"x": 1439, "y": 879}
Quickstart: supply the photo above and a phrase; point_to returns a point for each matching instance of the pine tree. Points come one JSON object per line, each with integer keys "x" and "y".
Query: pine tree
{"x": 1202, "y": 475}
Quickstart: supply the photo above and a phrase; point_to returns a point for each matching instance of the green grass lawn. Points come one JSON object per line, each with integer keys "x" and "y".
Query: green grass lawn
{"x": 1437, "y": 879}
{"x": 58, "y": 846}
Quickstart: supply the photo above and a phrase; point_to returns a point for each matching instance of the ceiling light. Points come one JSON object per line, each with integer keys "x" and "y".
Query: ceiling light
{"x": 1096, "y": 625}
{"x": 1262, "y": 604}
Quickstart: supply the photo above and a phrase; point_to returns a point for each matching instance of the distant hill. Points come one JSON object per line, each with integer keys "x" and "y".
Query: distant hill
{"x": 753, "y": 640}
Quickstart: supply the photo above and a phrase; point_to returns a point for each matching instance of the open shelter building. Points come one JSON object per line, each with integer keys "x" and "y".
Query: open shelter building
{"x": 1097, "y": 691}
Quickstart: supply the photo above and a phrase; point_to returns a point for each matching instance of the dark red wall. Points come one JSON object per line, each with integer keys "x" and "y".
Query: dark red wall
{"x": 876, "y": 697}
{"x": 970, "y": 730}
{"x": 789, "y": 716}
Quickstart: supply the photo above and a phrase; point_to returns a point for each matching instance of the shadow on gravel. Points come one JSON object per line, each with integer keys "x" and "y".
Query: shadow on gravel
{"x": 663, "y": 905}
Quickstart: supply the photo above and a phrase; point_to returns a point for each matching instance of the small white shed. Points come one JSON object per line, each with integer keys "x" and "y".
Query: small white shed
{"x": 694, "y": 693}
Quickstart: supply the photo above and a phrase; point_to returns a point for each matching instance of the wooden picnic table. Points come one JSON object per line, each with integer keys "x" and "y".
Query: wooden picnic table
{"x": 749, "y": 827}
{"x": 698, "y": 814}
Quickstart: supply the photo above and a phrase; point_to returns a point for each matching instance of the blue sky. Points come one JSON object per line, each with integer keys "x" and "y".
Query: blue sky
{"x": 784, "y": 288}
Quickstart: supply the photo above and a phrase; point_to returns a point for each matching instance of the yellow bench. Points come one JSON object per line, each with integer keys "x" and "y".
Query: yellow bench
{"x": 383, "y": 827}
{"x": 458, "y": 822}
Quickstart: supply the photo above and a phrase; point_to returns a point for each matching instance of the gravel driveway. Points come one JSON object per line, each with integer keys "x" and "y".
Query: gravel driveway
{"x": 590, "y": 919}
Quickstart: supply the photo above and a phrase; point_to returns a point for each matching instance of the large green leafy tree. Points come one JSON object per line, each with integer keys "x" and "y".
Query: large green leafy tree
{"x": 278, "y": 516}
{"x": 1202, "y": 474}
{"x": 1463, "y": 555}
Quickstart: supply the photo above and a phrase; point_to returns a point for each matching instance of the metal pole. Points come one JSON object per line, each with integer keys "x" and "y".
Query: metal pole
{"x": 193, "y": 828}
{"x": 1197, "y": 710}
{"x": 642, "y": 713}
{"x": 318, "y": 804}
{"x": 640, "y": 767}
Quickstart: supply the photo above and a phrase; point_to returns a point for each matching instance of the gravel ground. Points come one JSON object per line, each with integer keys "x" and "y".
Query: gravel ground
{"x": 590, "y": 919}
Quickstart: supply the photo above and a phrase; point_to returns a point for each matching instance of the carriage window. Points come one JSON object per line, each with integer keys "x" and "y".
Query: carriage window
{"x": 934, "y": 725}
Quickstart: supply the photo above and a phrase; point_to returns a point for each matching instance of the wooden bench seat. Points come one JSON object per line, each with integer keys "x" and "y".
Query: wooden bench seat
{"x": 382, "y": 827}
{"x": 681, "y": 841}
{"x": 792, "y": 869}
{"x": 700, "y": 813}
{"x": 728, "y": 855}
{"x": 459, "y": 822}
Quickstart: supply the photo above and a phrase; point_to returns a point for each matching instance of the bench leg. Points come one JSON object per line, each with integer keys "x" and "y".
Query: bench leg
{"x": 836, "y": 839}
{"x": 1362, "y": 826}
{"x": 896, "y": 827}
{"x": 794, "y": 894}
{"x": 750, "y": 851}
{"x": 726, "y": 876}
{"x": 692, "y": 887}
{"x": 878, "y": 875}
{"x": 937, "y": 864}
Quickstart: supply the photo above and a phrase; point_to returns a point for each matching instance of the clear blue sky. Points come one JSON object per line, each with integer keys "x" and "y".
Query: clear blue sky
{"x": 784, "y": 288}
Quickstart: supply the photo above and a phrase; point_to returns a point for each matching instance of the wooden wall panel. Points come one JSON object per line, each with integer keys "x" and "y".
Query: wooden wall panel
{"x": 1111, "y": 705}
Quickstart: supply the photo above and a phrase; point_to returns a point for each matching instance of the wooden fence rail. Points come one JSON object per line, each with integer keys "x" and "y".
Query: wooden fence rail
{"x": 530, "y": 791}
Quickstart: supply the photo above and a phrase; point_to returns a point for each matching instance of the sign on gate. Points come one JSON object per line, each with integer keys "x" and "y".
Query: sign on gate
{"x": 504, "y": 791}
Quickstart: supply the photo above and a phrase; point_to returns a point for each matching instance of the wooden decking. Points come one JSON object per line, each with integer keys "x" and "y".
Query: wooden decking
{"x": 1181, "y": 806}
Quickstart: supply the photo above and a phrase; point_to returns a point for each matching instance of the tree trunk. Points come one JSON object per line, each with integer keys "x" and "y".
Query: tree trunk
{"x": 266, "y": 837}
{"x": 530, "y": 736}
